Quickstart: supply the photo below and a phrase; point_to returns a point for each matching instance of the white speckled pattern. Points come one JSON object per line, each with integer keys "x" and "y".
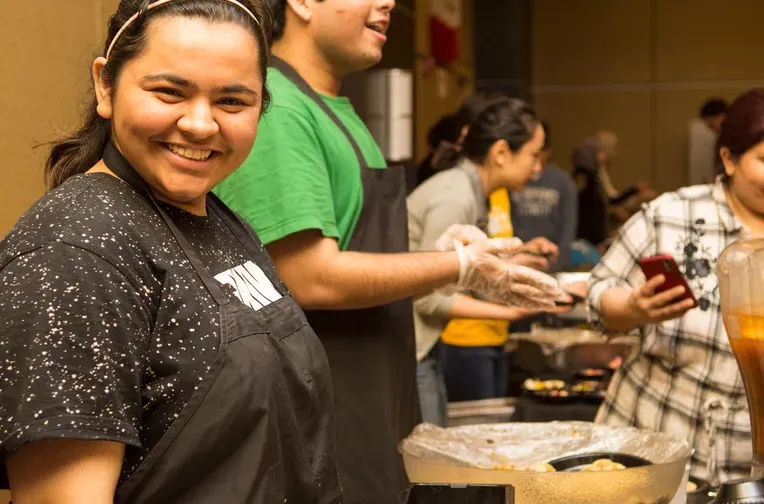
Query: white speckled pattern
{"x": 105, "y": 328}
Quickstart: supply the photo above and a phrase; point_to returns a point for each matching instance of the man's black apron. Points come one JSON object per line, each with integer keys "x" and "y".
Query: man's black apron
{"x": 259, "y": 427}
{"x": 371, "y": 352}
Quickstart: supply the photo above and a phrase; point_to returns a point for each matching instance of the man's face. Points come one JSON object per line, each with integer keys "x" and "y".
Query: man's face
{"x": 715, "y": 122}
{"x": 351, "y": 33}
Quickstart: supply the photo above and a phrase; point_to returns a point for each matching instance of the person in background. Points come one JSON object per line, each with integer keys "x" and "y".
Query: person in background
{"x": 704, "y": 132}
{"x": 547, "y": 207}
{"x": 624, "y": 202}
{"x": 150, "y": 352}
{"x": 685, "y": 380}
{"x": 445, "y": 133}
{"x": 499, "y": 221}
{"x": 332, "y": 215}
{"x": 472, "y": 354}
{"x": 501, "y": 149}
{"x": 594, "y": 222}
{"x": 601, "y": 205}
{"x": 712, "y": 112}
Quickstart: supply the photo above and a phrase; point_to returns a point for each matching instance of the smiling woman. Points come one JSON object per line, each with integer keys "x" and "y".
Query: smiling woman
{"x": 190, "y": 125}
{"x": 151, "y": 354}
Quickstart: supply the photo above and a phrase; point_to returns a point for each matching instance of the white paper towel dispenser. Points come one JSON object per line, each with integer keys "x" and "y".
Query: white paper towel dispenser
{"x": 384, "y": 99}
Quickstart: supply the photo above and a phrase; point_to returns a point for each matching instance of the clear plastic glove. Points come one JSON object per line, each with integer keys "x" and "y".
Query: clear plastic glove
{"x": 530, "y": 261}
{"x": 459, "y": 234}
{"x": 483, "y": 271}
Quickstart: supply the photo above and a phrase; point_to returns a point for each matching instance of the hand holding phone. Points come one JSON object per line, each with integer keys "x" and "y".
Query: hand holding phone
{"x": 665, "y": 295}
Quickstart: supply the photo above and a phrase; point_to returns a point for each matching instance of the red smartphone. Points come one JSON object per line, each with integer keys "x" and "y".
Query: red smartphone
{"x": 666, "y": 265}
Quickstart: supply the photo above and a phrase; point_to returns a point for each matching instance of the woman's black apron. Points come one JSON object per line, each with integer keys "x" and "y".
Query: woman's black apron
{"x": 259, "y": 427}
{"x": 371, "y": 352}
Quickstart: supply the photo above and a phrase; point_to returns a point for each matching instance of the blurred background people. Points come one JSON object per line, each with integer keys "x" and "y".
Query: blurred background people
{"x": 601, "y": 206}
{"x": 547, "y": 207}
{"x": 704, "y": 131}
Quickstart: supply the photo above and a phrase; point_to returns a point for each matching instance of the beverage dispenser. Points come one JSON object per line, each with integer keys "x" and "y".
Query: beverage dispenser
{"x": 741, "y": 289}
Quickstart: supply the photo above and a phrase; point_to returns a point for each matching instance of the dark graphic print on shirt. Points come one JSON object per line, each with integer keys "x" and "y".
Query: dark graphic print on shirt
{"x": 697, "y": 264}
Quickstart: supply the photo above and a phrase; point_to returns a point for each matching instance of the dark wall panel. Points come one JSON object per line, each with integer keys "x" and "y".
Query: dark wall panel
{"x": 502, "y": 46}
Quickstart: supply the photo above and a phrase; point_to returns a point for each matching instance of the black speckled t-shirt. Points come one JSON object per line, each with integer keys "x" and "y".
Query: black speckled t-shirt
{"x": 105, "y": 328}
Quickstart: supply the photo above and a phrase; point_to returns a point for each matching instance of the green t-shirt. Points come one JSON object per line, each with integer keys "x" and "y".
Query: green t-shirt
{"x": 302, "y": 172}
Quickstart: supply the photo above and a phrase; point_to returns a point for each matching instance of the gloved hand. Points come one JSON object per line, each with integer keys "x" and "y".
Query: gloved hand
{"x": 459, "y": 233}
{"x": 483, "y": 271}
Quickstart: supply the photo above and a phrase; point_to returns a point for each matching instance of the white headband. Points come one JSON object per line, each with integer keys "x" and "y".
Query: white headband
{"x": 157, "y": 4}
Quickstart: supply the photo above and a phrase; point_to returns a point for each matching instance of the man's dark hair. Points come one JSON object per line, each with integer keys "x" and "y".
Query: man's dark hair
{"x": 278, "y": 11}
{"x": 713, "y": 107}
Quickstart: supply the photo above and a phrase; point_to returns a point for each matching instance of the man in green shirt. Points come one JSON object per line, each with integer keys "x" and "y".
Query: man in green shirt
{"x": 333, "y": 217}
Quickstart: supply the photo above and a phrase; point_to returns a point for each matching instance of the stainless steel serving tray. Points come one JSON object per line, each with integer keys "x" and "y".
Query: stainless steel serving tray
{"x": 563, "y": 350}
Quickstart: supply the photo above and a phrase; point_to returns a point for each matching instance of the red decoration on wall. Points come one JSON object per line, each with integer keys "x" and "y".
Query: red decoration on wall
{"x": 445, "y": 21}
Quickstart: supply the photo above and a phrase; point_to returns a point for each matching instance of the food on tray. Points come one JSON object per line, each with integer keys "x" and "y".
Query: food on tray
{"x": 536, "y": 385}
{"x": 531, "y": 384}
{"x": 541, "y": 468}
{"x": 691, "y": 486}
{"x": 593, "y": 372}
{"x": 554, "y": 384}
{"x": 600, "y": 465}
{"x": 504, "y": 467}
{"x": 585, "y": 387}
{"x": 603, "y": 465}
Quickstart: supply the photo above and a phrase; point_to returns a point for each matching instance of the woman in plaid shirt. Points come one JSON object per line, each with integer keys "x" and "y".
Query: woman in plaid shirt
{"x": 685, "y": 380}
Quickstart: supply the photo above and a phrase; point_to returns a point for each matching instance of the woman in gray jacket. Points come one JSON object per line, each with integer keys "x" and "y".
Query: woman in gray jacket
{"x": 502, "y": 148}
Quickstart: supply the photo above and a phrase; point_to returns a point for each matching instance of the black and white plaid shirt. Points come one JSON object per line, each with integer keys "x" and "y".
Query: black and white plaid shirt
{"x": 685, "y": 380}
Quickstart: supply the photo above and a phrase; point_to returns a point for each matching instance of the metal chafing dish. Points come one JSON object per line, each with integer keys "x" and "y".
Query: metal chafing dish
{"x": 484, "y": 411}
{"x": 483, "y": 455}
{"x": 563, "y": 350}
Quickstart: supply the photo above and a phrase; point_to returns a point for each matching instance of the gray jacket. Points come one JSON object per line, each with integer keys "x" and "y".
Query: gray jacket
{"x": 453, "y": 196}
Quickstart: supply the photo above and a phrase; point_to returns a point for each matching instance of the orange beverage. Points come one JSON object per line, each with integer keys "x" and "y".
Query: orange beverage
{"x": 746, "y": 335}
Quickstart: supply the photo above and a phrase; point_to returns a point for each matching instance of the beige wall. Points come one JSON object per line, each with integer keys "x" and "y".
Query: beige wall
{"x": 429, "y": 106}
{"x": 641, "y": 68}
{"x": 46, "y": 50}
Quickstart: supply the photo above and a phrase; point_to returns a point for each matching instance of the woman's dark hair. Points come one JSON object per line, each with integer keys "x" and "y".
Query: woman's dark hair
{"x": 547, "y": 136}
{"x": 474, "y": 105}
{"x": 585, "y": 158}
{"x": 80, "y": 151}
{"x": 445, "y": 130}
{"x": 505, "y": 118}
{"x": 742, "y": 127}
